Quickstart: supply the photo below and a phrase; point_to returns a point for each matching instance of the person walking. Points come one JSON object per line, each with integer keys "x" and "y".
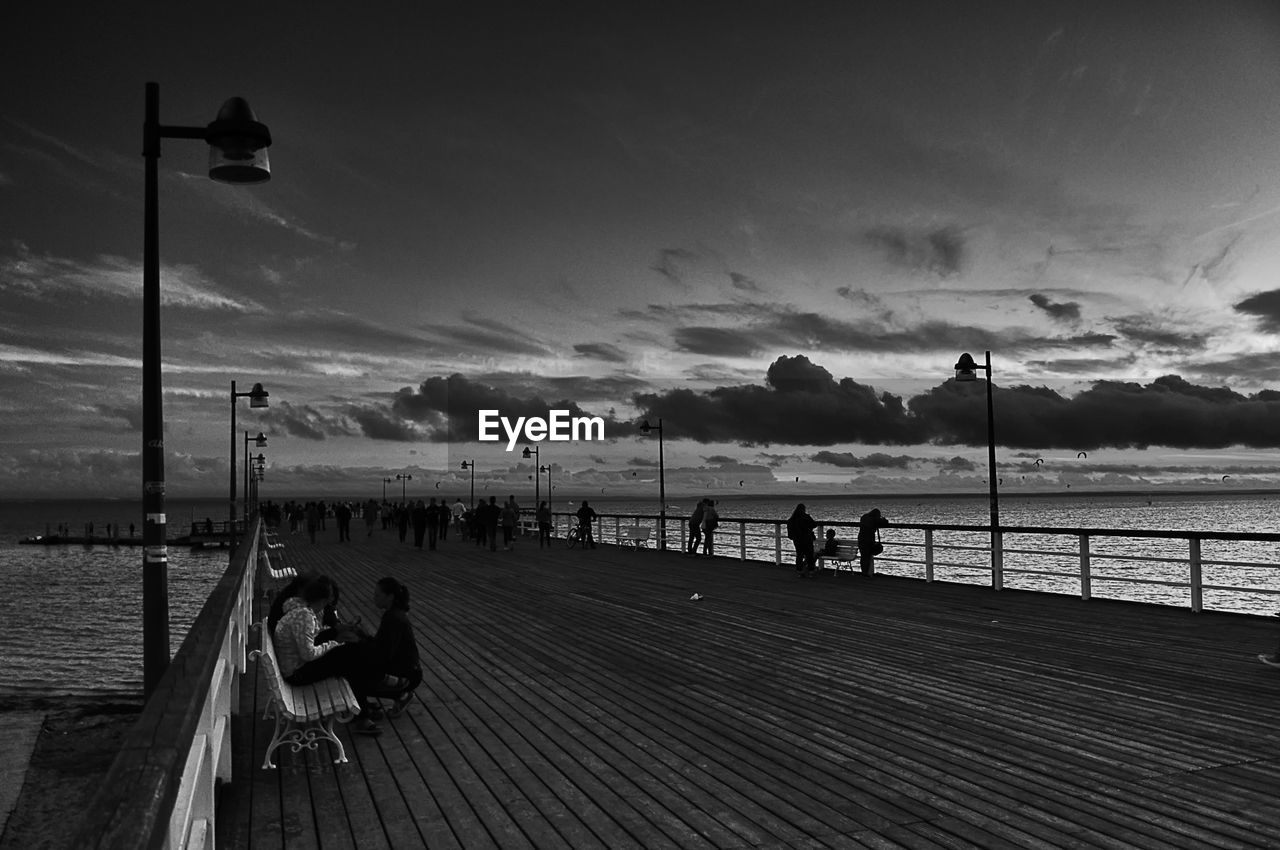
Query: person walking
{"x": 710, "y": 522}
{"x": 695, "y": 527}
{"x": 586, "y": 521}
{"x": 342, "y": 513}
{"x": 510, "y": 515}
{"x": 313, "y": 520}
{"x": 433, "y": 523}
{"x": 492, "y": 516}
{"x": 543, "y": 518}
{"x": 370, "y": 516}
{"x": 869, "y": 545}
{"x": 800, "y": 529}
{"x": 418, "y": 518}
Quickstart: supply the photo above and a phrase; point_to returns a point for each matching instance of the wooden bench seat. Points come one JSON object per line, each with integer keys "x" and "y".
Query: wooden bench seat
{"x": 844, "y": 557}
{"x": 637, "y": 538}
{"x": 303, "y": 714}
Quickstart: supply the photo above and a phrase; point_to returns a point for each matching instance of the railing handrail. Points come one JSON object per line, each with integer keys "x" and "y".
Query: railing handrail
{"x": 163, "y": 756}
{"x": 1258, "y": 536}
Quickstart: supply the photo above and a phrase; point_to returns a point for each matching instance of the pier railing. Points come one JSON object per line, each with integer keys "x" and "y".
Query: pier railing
{"x": 1228, "y": 571}
{"x": 161, "y": 789}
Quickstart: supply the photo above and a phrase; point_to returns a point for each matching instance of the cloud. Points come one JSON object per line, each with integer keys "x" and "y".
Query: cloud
{"x": 607, "y": 352}
{"x": 303, "y": 421}
{"x": 673, "y": 263}
{"x": 486, "y": 337}
{"x": 801, "y": 404}
{"x": 940, "y": 252}
{"x": 875, "y": 460}
{"x": 1068, "y": 311}
{"x": 743, "y": 283}
{"x": 1146, "y": 329}
{"x": 717, "y": 342}
{"x": 449, "y": 407}
{"x": 1264, "y": 305}
{"x": 381, "y": 425}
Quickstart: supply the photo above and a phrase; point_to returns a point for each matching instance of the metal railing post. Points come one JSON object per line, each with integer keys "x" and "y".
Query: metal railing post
{"x": 742, "y": 538}
{"x": 997, "y": 559}
{"x": 928, "y": 554}
{"x": 1197, "y": 581}
{"x": 777, "y": 544}
{"x": 1086, "y": 587}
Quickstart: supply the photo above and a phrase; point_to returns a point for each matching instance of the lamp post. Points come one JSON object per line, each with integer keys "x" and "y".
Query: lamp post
{"x": 259, "y": 473}
{"x": 385, "y": 482}
{"x": 967, "y": 370}
{"x": 537, "y": 480}
{"x": 237, "y": 154}
{"x": 403, "y": 479}
{"x": 646, "y": 429}
{"x": 259, "y": 441}
{"x": 471, "y": 465}
{"x": 257, "y": 398}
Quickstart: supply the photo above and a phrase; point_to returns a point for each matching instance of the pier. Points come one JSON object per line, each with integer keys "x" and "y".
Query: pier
{"x": 584, "y": 699}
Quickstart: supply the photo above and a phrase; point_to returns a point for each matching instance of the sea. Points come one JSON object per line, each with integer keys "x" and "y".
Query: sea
{"x": 72, "y": 613}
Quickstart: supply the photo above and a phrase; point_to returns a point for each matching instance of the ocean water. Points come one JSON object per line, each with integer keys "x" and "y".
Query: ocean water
{"x": 73, "y": 613}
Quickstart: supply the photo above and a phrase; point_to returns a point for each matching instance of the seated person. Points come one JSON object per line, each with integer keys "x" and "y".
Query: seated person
{"x": 829, "y": 547}
{"x": 394, "y": 650}
{"x": 304, "y": 661}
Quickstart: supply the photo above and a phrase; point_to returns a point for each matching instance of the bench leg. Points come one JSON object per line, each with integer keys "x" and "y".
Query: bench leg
{"x": 298, "y": 736}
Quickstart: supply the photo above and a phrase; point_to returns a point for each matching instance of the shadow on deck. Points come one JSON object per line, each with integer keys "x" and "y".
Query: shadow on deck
{"x": 581, "y": 699}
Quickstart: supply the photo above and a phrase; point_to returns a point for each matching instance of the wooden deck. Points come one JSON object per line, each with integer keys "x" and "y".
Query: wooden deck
{"x": 582, "y": 699}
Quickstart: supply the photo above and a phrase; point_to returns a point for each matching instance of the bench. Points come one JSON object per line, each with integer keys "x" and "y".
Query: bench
{"x": 303, "y": 714}
{"x": 271, "y": 558}
{"x": 636, "y": 538}
{"x": 846, "y": 553}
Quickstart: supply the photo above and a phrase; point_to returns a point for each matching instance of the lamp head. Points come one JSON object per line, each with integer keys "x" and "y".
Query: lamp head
{"x": 258, "y": 396}
{"x": 261, "y": 440}
{"x": 466, "y": 465}
{"x": 238, "y": 145}
{"x": 527, "y": 453}
{"x": 645, "y": 427}
{"x": 966, "y": 368}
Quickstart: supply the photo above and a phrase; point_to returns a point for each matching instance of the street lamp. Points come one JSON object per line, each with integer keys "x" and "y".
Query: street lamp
{"x": 257, "y": 398}
{"x": 237, "y": 154}
{"x": 646, "y": 429}
{"x": 537, "y": 480}
{"x": 403, "y": 479}
{"x": 471, "y": 465}
{"x": 259, "y": 441}
{"x": 967, "y": 370}
{"x": 385, "y": 482}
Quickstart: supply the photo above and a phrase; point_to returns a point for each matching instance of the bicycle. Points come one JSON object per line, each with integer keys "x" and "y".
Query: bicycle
{"x": 577, "y": 535}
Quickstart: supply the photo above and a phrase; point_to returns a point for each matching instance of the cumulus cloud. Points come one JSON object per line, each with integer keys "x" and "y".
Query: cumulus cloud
{"x": 1264, "y": 305}
{"x": 303, "y": 421}
{"x": 875, "y": 460}
{"x": 448, "y": 408}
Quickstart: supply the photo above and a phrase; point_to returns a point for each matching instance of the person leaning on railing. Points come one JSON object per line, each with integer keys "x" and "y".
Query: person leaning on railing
{"x": 869, "y": 544}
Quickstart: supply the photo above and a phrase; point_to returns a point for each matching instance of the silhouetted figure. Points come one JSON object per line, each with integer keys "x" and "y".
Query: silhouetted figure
{"x": 869, "y": 544}
{"x": 800, "y": 530}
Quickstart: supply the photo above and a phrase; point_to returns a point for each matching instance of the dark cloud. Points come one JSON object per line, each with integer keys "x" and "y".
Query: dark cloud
{"x": 1068, "y": 311}
{"x": 744, "y": 283}
{"x": 957, "y": 464}
{"x": 449, "y": 407}
{"x": 1264, "y": 305}
{"x": 643, "y": 461}
{"x": 671, "y": 263}
{"x": 601, "y": 351}
{"x": 1146, "y": 330}
{"x": 480, "y": 335}
{"x": 875, "y": 460}
{"x": 302, "y": 421}
{"x": 381, "y": 425}
{"x": 131, "y": 417}
{"x": 940, "y": 252}
{"x": 801, "y": 404}
{"x": 717, "y": 342}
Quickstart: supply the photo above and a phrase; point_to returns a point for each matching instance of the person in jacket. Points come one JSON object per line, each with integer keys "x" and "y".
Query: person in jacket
{"x": 695, "y": 527}
{"x": 800, "y": 530}
{"x": 587, "y": 522}
{"x": 869, "y": 544}
{"x": 710, "y": 522}
{"x": 304, "y": 661}
{"x": 393, "y": 650}
{"x": 543, "y": 518}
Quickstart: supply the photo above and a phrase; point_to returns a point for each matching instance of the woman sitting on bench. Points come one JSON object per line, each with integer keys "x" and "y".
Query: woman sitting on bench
{"x": 303, "y": 661}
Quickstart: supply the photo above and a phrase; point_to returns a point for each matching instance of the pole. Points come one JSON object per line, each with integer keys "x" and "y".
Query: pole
{"x": 473, "y": 484}
{"x": 231, "y": 514}
{"x": 155, "y": 552}
{"x": 662, "y": 494}
{"x": 996, "y": 556}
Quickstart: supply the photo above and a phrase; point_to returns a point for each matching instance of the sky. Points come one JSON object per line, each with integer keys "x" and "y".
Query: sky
{"x": 773, "y": 226}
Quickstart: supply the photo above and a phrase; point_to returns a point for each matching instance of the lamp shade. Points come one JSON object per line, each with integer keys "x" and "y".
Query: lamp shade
{"x": 260, "y": 440}
{"x": 966, "y": 368}
{"x": 258, "y": 396}
{"x": 238, "y": 145}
